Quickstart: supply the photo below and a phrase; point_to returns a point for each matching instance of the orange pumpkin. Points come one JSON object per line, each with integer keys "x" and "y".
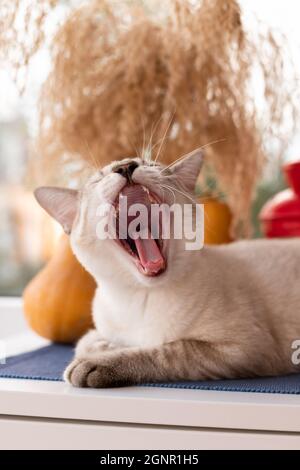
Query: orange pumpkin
{"x": 57, "y": 301}
{"x": 217, "y": 220}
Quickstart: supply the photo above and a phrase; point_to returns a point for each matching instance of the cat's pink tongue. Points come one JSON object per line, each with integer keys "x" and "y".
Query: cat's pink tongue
{"x": 150, "y": 256}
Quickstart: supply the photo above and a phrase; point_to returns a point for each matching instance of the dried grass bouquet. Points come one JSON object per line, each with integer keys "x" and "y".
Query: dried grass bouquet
{"x": 160, "y": 78}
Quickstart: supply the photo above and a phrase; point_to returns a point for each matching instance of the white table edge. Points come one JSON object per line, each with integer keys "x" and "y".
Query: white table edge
{"x": 143, "y": 405}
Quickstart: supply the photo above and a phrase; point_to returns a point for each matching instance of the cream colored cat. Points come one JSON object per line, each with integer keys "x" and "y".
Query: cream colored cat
{"x": 163, "y": 313}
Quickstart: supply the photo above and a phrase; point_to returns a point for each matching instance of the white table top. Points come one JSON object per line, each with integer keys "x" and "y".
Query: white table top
{"x": 144, "y": 405}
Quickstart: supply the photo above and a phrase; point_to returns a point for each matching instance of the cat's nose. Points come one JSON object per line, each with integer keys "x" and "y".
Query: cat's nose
{"x": 126, "y": 170}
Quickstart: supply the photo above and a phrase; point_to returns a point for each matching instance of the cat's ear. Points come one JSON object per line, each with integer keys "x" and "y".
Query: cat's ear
{"x": 60, "y": 203}
{"x": 188, "y": 168}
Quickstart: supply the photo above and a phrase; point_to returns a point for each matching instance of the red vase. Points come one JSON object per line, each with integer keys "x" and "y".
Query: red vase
{"x": 280, "y": 216}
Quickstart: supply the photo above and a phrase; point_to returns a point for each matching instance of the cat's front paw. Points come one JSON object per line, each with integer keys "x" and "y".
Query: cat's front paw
{"x": 90, "y": 373}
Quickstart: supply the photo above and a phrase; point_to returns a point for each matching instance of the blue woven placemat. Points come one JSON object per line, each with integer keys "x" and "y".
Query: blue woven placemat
{"x": 49, "y": 362}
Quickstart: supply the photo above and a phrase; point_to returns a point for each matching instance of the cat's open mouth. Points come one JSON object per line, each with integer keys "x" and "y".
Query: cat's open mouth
{"x": 140, "y": 235}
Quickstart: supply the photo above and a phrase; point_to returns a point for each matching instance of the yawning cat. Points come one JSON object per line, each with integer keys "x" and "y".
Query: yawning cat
{"x": 165, "y": 313}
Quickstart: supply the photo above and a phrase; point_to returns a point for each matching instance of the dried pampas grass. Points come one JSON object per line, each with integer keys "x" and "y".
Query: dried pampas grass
{"x": 127, "y": 80}
{"x": 22, "y": 33}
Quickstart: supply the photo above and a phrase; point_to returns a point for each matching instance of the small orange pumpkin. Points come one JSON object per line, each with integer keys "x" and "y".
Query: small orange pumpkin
{"x": 217, "y": 220}
{"x": 57, "y": 301}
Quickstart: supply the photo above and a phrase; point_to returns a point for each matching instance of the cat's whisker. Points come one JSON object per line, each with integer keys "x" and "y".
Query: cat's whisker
{"x": 94, "y": 164}
{"x": 153, "y": 130}
{"x": 144, "y": 137}
{"x": 159, "y": 141}
{"x": 148, "y": 146}
{"x": 135, "y": 148}
{"x": 186, "y": 155}
{"x": 183, "y": 193}
{"x": 163, "y": 191}
{"x": 164, "y": 136}
{"x": 170, "y": 190}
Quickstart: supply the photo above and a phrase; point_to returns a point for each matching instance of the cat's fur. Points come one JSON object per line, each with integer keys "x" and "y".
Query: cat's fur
{"x": 221, "y": 312}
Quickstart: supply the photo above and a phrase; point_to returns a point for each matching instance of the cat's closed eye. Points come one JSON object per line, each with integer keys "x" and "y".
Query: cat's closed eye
{"x": 151, "y": 165}
{"x": 155, "y": 164}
